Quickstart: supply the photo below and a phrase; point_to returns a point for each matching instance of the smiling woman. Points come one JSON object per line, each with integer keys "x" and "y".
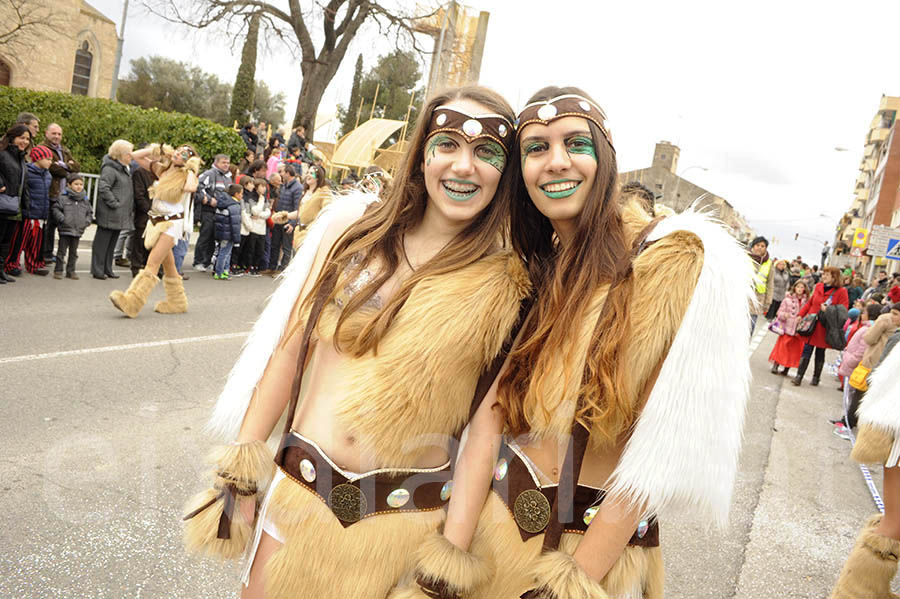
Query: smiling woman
{"x": 387, "y": 318}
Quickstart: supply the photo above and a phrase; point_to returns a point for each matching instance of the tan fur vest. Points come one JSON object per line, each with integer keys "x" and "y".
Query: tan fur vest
{"x": 417, "y": 391}
{"x": 665, "y": 276}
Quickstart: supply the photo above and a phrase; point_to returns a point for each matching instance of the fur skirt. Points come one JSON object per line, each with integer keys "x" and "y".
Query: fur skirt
{"x": 321, "y": 559}
{"x": 638, "y": 574}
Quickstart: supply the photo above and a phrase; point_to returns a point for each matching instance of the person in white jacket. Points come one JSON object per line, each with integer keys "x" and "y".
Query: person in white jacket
{"x": 253, "y": 223}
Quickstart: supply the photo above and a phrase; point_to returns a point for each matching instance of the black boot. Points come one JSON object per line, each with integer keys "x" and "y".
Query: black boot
{"x": 801, "y": 370}
{"x": 785, "y": 371}
{"x": 774, "y": 368}
{"x": 817, "y": 372}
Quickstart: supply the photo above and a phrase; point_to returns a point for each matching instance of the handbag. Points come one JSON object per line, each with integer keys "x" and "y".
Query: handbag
{"x": 776, "y": 327}
{"x": 807, "y": 325}
{"x": 9, "y": 204}
{"x": 859, "y": 378}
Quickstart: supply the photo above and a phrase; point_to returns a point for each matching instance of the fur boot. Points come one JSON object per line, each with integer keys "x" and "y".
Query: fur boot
{"x": 871, "y": 566}
{"x": 558, "y": 576}
{"x": 133, "y": 299}
{"x": 176, "y": 300}
{"x": 241, "y": 473}
{"x": 443, "y": 570}
{"x": 873, "y": 445}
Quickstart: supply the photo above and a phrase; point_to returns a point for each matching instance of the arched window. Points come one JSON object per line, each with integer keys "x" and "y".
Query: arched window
{"x": 81, "y": 78}
{"x": 5, "y": 73}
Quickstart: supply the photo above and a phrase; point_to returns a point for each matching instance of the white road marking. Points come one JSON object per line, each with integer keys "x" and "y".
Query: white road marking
{"x": 757, "y": 339}
{"x": 110, "y": 348}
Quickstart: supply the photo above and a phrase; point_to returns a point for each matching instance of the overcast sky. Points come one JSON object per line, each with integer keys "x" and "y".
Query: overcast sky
{"x": 759, "y": 93}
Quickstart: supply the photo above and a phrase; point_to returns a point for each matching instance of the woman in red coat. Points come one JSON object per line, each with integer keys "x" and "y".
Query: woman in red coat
{"x": 828, "y": 292}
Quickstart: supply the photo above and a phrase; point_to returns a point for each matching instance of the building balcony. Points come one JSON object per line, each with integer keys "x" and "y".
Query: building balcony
{"x": 869, "y": 165}
{"x": 871, "y": 149}
{"x": 889, "y": 103}
{"x": 861, "y": 179}
{"x": 862, "y": 194}
{"x": 879, "y": 134}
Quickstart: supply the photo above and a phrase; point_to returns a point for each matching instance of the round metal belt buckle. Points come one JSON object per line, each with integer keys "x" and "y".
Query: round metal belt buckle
{"x": 347, "y": 502}
{"x": 532, "y": 511}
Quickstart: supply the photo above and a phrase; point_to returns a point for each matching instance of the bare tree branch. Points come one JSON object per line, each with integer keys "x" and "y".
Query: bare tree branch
{"x": 25, "y": 23}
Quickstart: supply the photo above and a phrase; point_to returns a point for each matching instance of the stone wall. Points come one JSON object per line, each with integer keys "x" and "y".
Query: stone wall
{"x": 49, "y": 64}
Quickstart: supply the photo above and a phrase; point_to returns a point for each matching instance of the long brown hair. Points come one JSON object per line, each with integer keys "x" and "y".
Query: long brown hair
{"x": 836, "y": 277}
{"x": 567, "y": 277}
{"x": 378, "y": 235}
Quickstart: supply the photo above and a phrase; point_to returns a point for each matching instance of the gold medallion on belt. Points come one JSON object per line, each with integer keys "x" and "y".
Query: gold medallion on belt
{"x": 532, "y": 511}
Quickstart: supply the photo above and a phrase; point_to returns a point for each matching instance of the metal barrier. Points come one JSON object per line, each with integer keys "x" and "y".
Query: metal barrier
{"x": 90, "y": 188}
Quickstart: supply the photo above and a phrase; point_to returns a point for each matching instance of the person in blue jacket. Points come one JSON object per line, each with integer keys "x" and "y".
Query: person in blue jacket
{"x": 228, "y": 229}
{"x": 38, "y": 179}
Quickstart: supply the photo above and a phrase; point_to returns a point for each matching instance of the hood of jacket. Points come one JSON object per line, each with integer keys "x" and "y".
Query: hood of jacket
{"x": 107, "y": 161}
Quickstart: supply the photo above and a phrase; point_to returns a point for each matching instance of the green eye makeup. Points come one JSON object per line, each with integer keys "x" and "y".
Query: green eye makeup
{"x": 434, "y": 144}
{"x": 492, "y": 153}
{"x": 581, "y": 144}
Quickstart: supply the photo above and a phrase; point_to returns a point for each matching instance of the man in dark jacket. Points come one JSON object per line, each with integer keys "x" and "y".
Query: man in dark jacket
{"x": 283, "y": 235}
{"x": 297, "y": 139}
{"x": 64, "y": 164}
{"x": 212, "y": 189}
{"x": 248, "y": 134}
{"x": 141, "y": 180}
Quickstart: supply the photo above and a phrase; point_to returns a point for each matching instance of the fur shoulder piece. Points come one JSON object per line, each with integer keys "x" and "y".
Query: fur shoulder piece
{"x": 683, "y": 453}
{"x": 228, "y": 414}
{"x": 419, "y": 386}
{"x": 880, "y": 408}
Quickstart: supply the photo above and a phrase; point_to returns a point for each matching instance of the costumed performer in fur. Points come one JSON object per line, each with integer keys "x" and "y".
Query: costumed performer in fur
{"x": 386, "y": 320}
{"x": 872, "y": 563}
{"x": 314, "y": 200}
{"x": 171, "y": 204}
{"x": 629, "y": 376}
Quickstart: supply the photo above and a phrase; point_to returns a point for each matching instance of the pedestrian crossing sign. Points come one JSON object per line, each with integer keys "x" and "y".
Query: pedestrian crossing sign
{"x": 893, "y": 249}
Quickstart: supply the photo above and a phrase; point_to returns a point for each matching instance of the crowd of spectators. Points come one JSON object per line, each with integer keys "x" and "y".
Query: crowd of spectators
{"x": 247, "y": 215}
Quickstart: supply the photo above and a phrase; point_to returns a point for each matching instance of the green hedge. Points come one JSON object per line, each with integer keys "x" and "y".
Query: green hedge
{"x": 91, "y": 124}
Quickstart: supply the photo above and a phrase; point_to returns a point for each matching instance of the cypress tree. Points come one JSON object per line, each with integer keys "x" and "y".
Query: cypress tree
{"x": 244, "y": 84}
{"x": 353, "y": 105}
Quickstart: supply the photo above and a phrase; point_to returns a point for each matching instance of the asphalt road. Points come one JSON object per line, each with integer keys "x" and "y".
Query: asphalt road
{"x": 101, "y": 442}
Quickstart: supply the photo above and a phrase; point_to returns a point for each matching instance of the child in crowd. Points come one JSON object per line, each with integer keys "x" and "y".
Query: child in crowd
{"x": 273, "y": 162}
{"x": 248, "y": 184}
{"x": 789, "y": 347}
{"x": 35, "y": 216}
{"x": 259, "y": 214}
{"x": 73, "y": 213}
{"x": 228, "y": 229}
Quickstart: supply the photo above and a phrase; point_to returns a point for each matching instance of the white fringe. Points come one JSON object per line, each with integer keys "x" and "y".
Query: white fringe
{"x": 228, "y": 413}
{"x": 880, "y": 406}
{"x": 683, "y": 454}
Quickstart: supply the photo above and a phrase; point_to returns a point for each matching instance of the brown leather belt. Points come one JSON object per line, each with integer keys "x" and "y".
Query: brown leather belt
{"x": 395, "y": 491}
{"x": 531, "y": 505}
{"x": 165, "y": 218}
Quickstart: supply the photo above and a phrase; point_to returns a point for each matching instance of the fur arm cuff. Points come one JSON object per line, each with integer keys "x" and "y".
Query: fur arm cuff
{"x": 443, "y": 571}
{"x": 216, "y": 521}
{"x": 558, "y": 576}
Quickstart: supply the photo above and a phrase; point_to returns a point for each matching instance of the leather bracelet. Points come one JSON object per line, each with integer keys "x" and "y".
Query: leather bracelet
{"x": 436, "y": 589}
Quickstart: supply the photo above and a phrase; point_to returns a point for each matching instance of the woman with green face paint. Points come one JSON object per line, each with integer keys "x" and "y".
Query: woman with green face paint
{"x": 588, "y": 445}
{"x": 372, "y": 350}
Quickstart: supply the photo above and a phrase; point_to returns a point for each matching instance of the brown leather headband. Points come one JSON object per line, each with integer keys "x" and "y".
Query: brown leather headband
{"x": 547, "y": 111}
{"x": 471, "y": 126}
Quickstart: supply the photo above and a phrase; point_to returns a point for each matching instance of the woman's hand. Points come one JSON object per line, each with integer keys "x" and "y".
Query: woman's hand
{"x": 280, "y": 217}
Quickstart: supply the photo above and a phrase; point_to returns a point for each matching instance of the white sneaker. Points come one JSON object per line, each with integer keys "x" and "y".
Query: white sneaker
{"x": 200, "y": 267}
{"x": 841, "y": 431}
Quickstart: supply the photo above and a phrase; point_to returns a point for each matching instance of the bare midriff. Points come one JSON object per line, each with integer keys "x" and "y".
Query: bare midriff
{"x": 317, "y": 417}
{"x": 549, "y": 454}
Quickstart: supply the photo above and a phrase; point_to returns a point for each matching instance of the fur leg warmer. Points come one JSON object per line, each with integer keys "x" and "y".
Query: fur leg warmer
{"x": 443, "y": 571}
{"x": 558, "y": 576}
{"x": 873, "y": 445}
{"x": 216, "y": 522}
{"x": 871, "y": 566}
{"x": 133, "y": 299}
{"x": 176, "y": 300}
